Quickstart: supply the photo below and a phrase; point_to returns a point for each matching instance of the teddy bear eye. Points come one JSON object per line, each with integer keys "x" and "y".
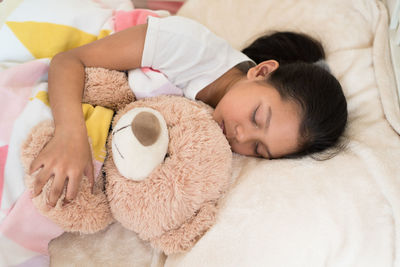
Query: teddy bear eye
{"x": 117, "y": 130}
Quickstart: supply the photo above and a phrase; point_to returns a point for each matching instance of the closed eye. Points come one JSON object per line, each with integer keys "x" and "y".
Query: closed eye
{"x": 117, "y": 130}
{"x": 253, "y": 117}
{"x": 256, "y": 150}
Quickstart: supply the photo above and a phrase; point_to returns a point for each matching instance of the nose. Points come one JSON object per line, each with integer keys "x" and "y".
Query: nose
{"x": 146, "y": 128}
{"x": 243, "y": 133}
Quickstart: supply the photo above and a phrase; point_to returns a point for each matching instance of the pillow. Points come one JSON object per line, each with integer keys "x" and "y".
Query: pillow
{"x": 301, "y": 212}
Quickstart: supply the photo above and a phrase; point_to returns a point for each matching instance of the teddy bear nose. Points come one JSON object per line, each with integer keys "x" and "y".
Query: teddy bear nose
{"x": 146, "y": 128}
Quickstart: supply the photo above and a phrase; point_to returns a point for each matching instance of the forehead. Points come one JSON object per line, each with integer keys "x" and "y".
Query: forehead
{"x": 258, "y": 90}
{"x": 282, "y": 135}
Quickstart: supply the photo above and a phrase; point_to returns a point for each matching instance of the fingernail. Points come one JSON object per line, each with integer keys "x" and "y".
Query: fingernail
{"x": 50, "y": 205}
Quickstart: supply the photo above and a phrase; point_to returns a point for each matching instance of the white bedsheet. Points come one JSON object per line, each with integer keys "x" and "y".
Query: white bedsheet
{"x": 340, "y": 212}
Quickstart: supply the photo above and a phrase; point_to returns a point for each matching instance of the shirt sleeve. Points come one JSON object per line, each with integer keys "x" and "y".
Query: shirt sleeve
{"x": 189, "y": 54}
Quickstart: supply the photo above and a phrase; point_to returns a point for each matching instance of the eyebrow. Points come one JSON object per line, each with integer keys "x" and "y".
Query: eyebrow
{"x": 267, "y": 122}
{"x": 269, "y": 115}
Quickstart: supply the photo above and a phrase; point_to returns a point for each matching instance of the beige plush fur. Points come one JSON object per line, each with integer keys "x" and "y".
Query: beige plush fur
{"x": 107, "y": 88}
{"x": 186, "y": 186}
{"x": 88, "y": 213}
{"x": 177, "y": 203}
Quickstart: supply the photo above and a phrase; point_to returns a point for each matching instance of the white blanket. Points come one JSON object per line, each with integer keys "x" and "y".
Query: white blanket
{"x": 340, "y": 212}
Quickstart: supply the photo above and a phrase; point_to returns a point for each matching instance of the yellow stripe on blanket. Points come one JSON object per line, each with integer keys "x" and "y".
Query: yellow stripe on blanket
{"x": 42, "y": 96}
{"x": 98, "y": 121}
{"x": 44, "y": 39}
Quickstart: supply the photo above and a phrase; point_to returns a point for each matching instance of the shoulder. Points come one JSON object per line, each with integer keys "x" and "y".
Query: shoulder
{"x": 179, "y": 25}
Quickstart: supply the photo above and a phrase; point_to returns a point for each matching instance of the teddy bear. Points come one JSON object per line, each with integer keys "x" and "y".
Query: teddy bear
{"x": 167, "y": 166}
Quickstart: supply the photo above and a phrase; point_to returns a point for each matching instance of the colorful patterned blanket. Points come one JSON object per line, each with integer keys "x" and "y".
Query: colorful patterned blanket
{"x": 23, "y": 231}
{"x": 35, "y": 31}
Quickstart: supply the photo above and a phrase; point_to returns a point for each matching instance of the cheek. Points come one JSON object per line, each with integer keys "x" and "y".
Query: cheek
{"x": 217, "y": 114}
{"x": 229, "y": 113}
{"x": 242, "y": 149}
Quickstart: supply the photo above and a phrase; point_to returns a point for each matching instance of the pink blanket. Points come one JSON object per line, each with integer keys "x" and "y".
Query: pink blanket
{"x": 24, "y": 233}
{"x": 22, "y": 227}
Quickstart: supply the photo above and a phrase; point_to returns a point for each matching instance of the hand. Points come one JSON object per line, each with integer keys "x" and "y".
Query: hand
{"x": 65, "y": 158}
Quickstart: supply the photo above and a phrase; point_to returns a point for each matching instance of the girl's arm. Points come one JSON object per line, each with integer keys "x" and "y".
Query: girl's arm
{"x": 67, "y": 156}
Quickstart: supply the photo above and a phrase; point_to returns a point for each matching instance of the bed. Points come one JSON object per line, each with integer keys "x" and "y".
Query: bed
{"x": 344, "y": 211}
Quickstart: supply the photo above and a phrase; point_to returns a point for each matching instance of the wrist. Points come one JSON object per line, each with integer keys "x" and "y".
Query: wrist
{"x": 71, "y": 129}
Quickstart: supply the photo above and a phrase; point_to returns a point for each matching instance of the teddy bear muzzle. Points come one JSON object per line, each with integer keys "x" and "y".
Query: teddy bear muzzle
{"x": 140, "y": 142}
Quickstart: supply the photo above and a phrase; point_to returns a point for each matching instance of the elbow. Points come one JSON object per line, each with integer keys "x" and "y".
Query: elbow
{"x": 60, "y": 56}
{"x": 64, "y": 58}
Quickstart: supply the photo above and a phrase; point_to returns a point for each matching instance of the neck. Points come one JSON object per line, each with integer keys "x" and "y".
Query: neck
{"x": 214, "y": 92}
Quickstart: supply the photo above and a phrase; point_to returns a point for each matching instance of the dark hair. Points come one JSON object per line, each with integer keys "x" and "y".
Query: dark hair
{"x": 317, "y": 92}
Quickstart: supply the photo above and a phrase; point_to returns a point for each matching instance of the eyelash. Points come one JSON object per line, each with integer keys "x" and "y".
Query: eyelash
{"x": 253, "y": 117}
{"x": 256, "y": 148}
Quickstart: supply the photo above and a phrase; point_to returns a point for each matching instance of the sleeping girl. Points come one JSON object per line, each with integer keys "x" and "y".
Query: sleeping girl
{"x": 274, "y": 99}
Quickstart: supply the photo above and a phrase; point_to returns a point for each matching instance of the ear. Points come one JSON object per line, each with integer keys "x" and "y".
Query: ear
{"x": 262, "y": 70}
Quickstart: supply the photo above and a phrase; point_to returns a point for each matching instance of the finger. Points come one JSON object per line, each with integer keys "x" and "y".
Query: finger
{"x": 35, "y": 165}
{"x": 66, "y": 202}
{"x": 57, "y": 188}
{"x": 73, "y": 186}
{"x": 90, "y": 175}
{"x": 40, "y": 180}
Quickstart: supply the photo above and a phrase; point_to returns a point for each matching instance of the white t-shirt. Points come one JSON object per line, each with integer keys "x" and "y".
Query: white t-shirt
{"x": 188, "y": 54}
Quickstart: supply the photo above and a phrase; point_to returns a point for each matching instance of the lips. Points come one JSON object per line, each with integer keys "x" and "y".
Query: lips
{"x": 222, "y": 125}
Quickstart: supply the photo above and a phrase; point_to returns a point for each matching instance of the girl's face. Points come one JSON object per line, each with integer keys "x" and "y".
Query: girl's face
{"x": 256, "y": 121}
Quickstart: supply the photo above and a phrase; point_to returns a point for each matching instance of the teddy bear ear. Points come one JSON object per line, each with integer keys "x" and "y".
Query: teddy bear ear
{"x": 139, "y": 142}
